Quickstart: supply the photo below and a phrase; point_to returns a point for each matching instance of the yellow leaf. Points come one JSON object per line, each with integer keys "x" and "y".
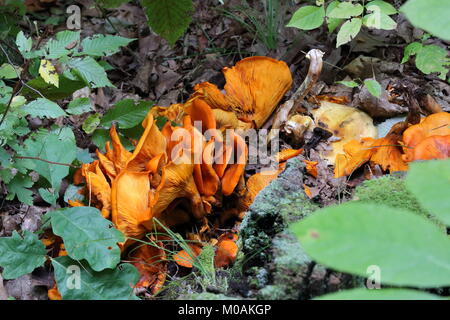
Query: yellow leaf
{"x": 48, "y": 73}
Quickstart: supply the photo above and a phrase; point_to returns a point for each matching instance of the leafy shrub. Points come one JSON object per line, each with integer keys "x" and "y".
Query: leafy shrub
{"x": 50, "y": 153}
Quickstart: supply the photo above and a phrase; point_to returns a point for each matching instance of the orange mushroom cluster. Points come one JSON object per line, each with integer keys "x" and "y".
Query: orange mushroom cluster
{"x": 178, "y": 173}
{"x": 430, "y": 139}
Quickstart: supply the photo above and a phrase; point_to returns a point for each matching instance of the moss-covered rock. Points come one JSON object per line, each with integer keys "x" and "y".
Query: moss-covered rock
{"x": 275, "y": 264}
{"x": 391, "y": 191}
{"x": 279, "y": 204}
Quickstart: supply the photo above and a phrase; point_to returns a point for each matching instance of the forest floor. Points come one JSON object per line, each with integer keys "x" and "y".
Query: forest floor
{"x": 151, "y": 69}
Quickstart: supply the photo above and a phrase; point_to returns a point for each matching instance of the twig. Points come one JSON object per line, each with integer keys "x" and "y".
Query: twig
{"x": 48, "y": 161}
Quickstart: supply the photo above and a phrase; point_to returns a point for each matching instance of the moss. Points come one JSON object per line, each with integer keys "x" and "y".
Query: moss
{"x": 289, "y": 269}
{"x": 390, "y": 190}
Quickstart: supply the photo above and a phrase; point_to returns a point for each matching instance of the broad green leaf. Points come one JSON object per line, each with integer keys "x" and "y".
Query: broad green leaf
{"x": 44, "y": 108}
{"x": 48, "y": 72}
{"x": 90, "y": 71}
{"x": 64, "y": 44}
{"x": 409, "y": 249}
{"x": 19, "y": 256}
{"x": 346, "y": 10}
{"x": 411, "y": 50}
{"x": 333, "y": 23}
{"x": 348, "y": 31}
{"x": 350, "y": 84}
{"x": 429, "y": 15}
{"x": 103, "y": 45}
{"x": 379, "y": 21}
{"x": 383, "y": 6}
{"x": 18, "y": 186}
{"x": 7, "y": 71}
{"x": 79, "y": 106}
{"x": 429, "y": 181}
{"x": 373, "y": 86}
{"x": 169, "y": 18}
{"x": 380, "y": 294}
{"x": 307, "y": 18}
{"x": 433, "y": 59}
{"x": 91, "y": 123}
{"x": 66, "y": 88}
{"x": 87, "y": 235}
{"x": 57, "y": 148}
{"x": 127, "y": 113}
{"x": 77, "y": 281}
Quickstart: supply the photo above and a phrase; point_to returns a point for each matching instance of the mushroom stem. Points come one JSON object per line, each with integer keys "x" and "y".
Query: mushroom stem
{"x": 315, "y": 68}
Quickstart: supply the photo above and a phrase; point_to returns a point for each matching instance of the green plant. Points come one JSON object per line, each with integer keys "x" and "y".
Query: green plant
{"x": 92, "y": 268}
{"x": 264, "y": 26}
{"x": 350, "y": 16}
{"x": 429, "y": 58}
{"x": 408, "y": 249}
{"x": 50, "y": 72}
{"x": 372, "y": 85}
{"x": 169, "y": 18}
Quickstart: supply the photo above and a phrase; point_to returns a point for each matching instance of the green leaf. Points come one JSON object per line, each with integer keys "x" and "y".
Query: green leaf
{"x": 333, "y": 23}
{"x": 169, "y": 18}
{"x": 408, "y": 248}
{"x": 7, "y": 71}
{"x": 432, "y": 59}
{"x": 87, "y": 235}
{"x": 79, "y": 106}
{"x": 348, "y": 31}
{"x": 429, "y": 15}
{"x": 84, "y": 156}
{"x": 66, "y": 88}
{"x": 48, "y": 195}
{"x": 58, "y": 148}
{"x": 374, "y": 87}
{"x": 24, "y": 44}
{"x": 44, "y": 108}
{"x": 307, "y": 18}
{"x": 103, "y": 45}
{"x": 379, "y": 21}
{"x": 380, "y": 294}
{"x": 411, "y": 50}
{"x": 346, "y": 10}
{"x": 100, "y": 137}
{"x": 108, "y": 284}
{"x": 62, "y": 46}
{"x": 19, "y": 256}
{"x": 127, "y": 113}
{"x": 429, "y": 181}
{"x": 383, "y": 6}
{"x": 18, "y": 187}
{"x": 350, "y": 84}
{"x": 90, "y": 72}
{"x": 91, "y": 123}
